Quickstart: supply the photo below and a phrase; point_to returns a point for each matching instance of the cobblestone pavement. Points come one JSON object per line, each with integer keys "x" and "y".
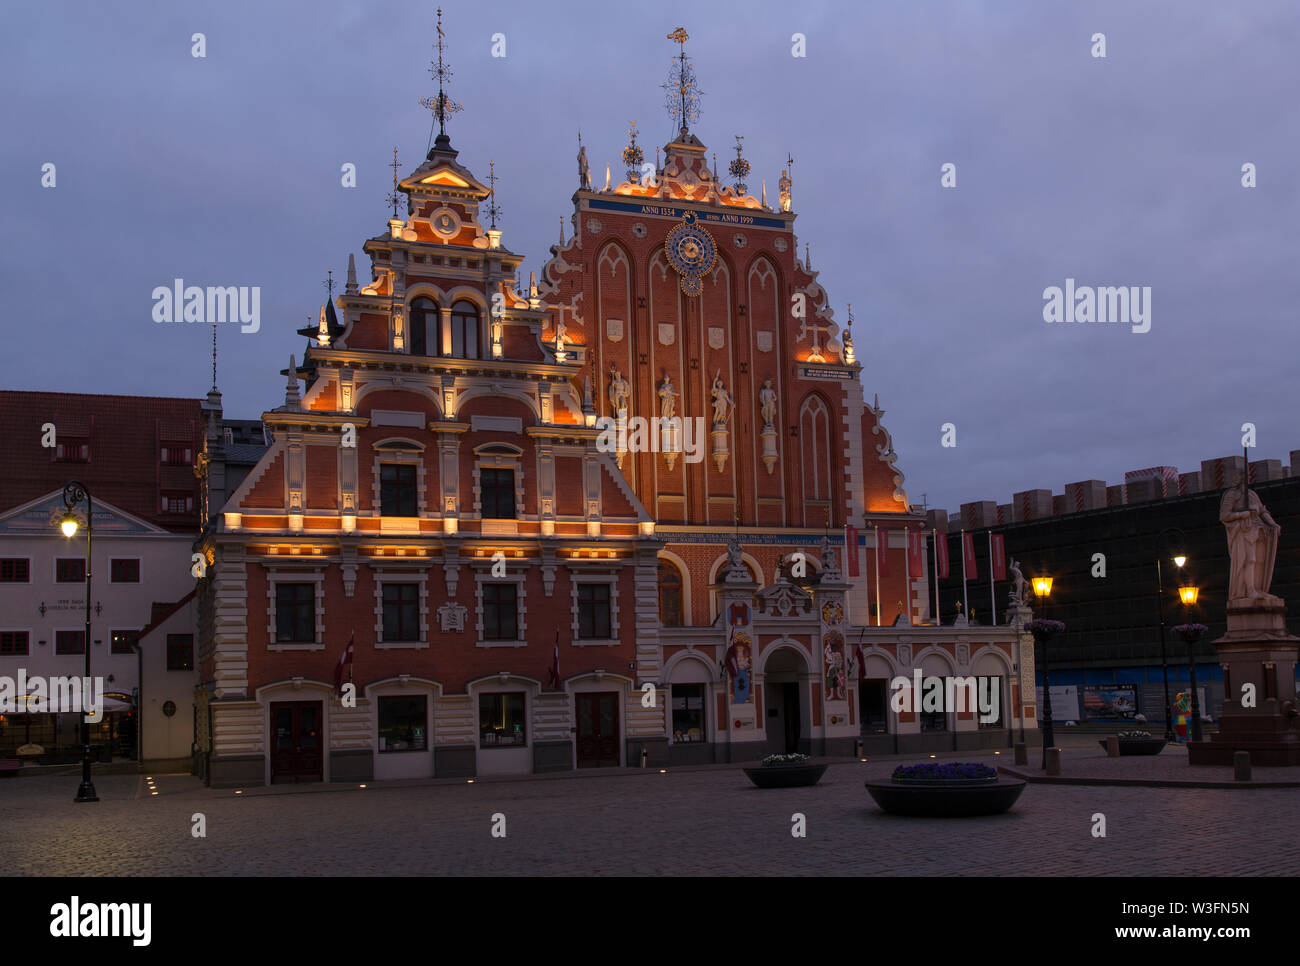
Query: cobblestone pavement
{"x": 685, "y": 822}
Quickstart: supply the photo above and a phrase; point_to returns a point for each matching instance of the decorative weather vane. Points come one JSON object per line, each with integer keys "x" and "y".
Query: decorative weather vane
{"x": 392, "y": 197}
{"x": 493, "y": 209}
{"x": 442, "y": 106}
{"x": 633, "y": 156}
{"x": 329, "y": 283}
{"x": 682, "y": 92}
{"x": 740, "y": 167}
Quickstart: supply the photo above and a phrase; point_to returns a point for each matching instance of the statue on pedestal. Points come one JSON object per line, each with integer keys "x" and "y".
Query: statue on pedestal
{"x": 1252, "y": 544}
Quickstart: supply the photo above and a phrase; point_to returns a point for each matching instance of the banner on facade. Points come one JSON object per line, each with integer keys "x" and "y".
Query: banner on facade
{"x": 1109, "y": 702}
{"x": 970, "y": 571}
{"x": 915, "y": 552}
{"x": 941, "y": 553}
{"x": 998, "y": 555}
{"x": 740, "y": 650}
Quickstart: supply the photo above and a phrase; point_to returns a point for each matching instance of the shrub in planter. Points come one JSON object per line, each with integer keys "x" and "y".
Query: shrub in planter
{"x": 1137, "y": 743}
{"x": 945, "y": 771}
{"x": 785, "y": 771}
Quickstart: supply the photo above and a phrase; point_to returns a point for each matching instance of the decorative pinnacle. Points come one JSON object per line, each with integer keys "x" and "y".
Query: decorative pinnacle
{"x": 633, "y": 156}
{"x": 442, "y": 106}
{"x": 739, "y": 169}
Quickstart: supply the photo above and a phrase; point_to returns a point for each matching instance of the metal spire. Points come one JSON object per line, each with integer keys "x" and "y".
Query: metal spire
{"x": 493, "y": 209}
{"x": 442, "y": 106}
{"x": 683, "y": 93}
{"x": 214, "y": 354}
{"x": 392, "y": 197}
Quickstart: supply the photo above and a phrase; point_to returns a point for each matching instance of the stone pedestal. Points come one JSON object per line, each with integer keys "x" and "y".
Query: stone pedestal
{"x": 1256, "y": 651}
{"x": 768, "y": 438}
{"x": 720, "y": 451}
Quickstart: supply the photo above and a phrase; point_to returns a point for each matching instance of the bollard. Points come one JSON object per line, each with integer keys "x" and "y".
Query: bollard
{"x": 1112, "y": 746}
{"x": 644, "y": 756}
{"x": 1053, "y": 761}
{"x": 1241, "y": 766}
{"x": 857, "y": 749}
{"x": 1022, "y": 753}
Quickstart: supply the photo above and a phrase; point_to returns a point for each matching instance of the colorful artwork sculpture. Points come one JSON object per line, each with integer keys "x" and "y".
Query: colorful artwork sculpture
{"x": 1182, "y": 714}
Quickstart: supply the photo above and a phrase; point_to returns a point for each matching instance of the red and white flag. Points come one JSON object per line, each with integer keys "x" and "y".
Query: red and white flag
{"x": 345, "y": 660}
{"x": 554, "y": 683}
{"x": 998, "y": 551}
{"x": 862, "y": 663}
{"x": 882, "y": 552}
{"x": 941, "y": 553}
{"x": 971, "y": 572}
{"x": 851, "y": 549}
{"x": 915, "y": 552}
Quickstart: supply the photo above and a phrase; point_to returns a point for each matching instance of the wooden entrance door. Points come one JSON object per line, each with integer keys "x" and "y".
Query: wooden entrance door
{"x": 296, "y": 740}
{"x": 597, "y": 729}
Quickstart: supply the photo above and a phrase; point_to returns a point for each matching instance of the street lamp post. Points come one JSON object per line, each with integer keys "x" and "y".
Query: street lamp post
{"x": 1042, "y": 590}
{"x": 1188, "y": 593}
{"x": 1179, "y": 560}
{"x": 73, "y": 493}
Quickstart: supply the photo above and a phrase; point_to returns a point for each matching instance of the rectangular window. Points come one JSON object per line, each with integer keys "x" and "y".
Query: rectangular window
{"x": 176, "y": 454}
{"x": 935, "y": 720}
{"x": 72, "y": 452}
{"x": 403, "y": 724}
{"x": 498, "y": 494}
{"x": 401, "y": 612}
{"x": 15, "y": 570}
{"x": 295, "y": 613}
{"x": 500, "y": 612}
{"x": 397, "y": 491}
{"x": 593, "y": 612}
{"x": 123, "y": 642}
{"x": 70, "y": 570}
{"x": 180, "y": 652}
{"x": 688, "y": 713}
{"x": 124, "y": 570}
{"x": 177, "y": 503}
{"x": 501, "y": 720}
{"x": 13, "y": 643}
{"x": 872, "y": 695}
{"x": 69, "y": 642}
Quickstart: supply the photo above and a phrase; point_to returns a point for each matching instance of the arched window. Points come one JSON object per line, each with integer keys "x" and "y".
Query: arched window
{"x": 464, "y": 330}
{"x": 670, "y": 595}
{"x": 424, "y": 327}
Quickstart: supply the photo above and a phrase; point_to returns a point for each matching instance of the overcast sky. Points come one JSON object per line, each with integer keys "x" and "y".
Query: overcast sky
{"x": 1127, "y": 170}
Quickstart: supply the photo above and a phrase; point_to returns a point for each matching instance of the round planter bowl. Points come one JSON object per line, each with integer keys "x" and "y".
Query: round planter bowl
{"x": 1138, "y": 746}
{"x": 786, "y": 776}
{"x": 939, "y": 799}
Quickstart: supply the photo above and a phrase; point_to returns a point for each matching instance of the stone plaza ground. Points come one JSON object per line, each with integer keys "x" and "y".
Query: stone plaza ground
{"x": 702, "y": 821}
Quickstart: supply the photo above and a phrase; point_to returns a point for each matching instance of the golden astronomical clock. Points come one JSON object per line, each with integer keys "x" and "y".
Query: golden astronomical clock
{"x": 691, "y": 252}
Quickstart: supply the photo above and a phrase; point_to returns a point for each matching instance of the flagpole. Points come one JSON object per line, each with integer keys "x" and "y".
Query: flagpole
{"x": 907, "y": 573}
{"x": 965, "y": 603}
{"x": 880, "y": 611}
{"x": 938, "y": 622}
{"x": 993, "y": 598}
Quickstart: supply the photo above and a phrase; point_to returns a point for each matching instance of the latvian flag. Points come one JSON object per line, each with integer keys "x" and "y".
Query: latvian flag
{"x": 941, "y": 553}
{"x": 915, "y": 552}
{"x": 998, "y": 550}
{"x": 882, "y": 552}
{"x": 345, "y": 661}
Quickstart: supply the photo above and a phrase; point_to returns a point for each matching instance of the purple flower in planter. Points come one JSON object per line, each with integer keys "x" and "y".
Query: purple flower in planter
{"x": 1044, "y": 630}
{"x": 1190, "y": 633}
{"x": 945, "y": 771}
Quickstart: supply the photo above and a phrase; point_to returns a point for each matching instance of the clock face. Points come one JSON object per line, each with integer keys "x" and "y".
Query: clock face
{"x": 691, "y": 250}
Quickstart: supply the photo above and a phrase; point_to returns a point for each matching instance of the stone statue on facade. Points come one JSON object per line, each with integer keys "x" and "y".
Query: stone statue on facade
{"x": 1020, "y": 594}
{"x": 767, "y": 403}
{"x": 722, "y": 401}
{"x": 619, "y": 389}
{"x": 667, "y": 398}
{"x": 830, "y": 561}
{"x": 1252, "y": 544}
{"x": 584, "y": 170}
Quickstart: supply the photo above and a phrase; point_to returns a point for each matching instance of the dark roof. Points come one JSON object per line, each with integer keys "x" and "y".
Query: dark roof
{"x": 125, "y": 436}
{"x": 244, "y": 453}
